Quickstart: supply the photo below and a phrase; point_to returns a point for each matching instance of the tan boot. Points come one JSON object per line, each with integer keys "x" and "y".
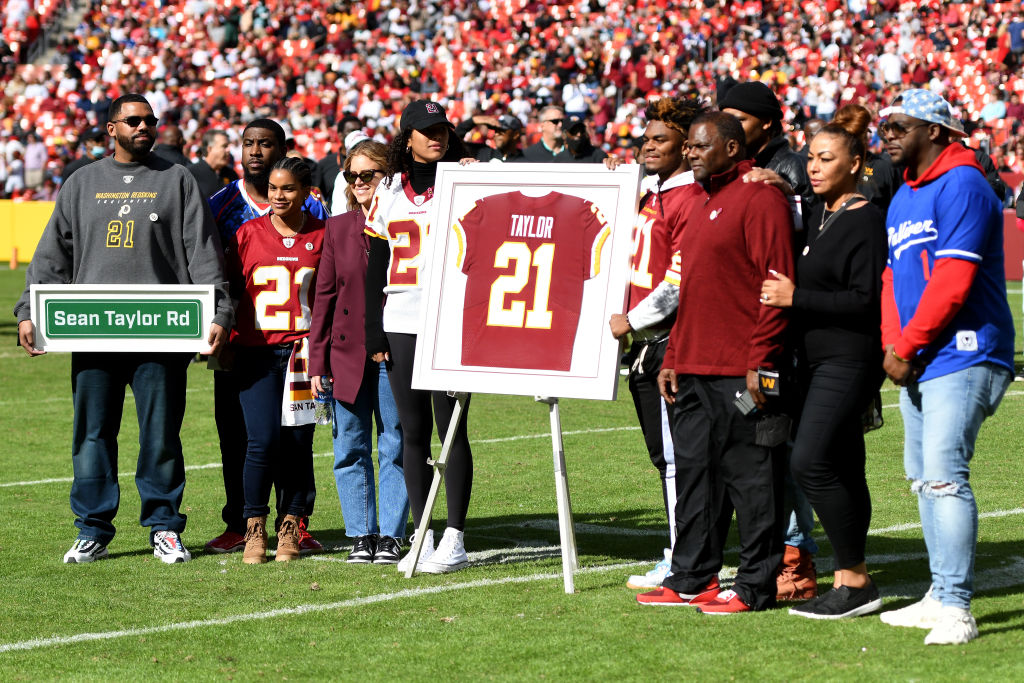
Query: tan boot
{"x": 797, "y": 578}
{"x": 255, "y": 541}
{"x": 288, "y": 539}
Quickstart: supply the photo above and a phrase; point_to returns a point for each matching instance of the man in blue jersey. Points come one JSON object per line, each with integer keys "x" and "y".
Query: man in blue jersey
{"x": 263, "y": 144}
{"x": 948, "y": 337}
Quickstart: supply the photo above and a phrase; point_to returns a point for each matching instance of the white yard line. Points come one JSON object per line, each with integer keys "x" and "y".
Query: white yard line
{"x": 301, "y": 609}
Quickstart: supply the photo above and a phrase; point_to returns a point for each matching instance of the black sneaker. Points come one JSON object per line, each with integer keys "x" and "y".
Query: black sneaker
{"x": 363, "y": 549}
{"x": 388, "y": 551}
{"x": 841, "y": 603}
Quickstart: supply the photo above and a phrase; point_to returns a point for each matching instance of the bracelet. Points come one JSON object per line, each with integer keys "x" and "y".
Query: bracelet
{"x": 898, "y": 357}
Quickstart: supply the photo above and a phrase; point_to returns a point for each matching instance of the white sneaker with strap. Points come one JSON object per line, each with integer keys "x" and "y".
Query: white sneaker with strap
{"x": 653, "y": 578}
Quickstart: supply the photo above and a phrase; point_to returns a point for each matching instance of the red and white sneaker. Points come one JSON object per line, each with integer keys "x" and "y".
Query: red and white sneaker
{"x": 227, "y": 542}
{"x": 727, "y": 602}
{"x": 669, "y": 598}
{"x": 308, "y": 544}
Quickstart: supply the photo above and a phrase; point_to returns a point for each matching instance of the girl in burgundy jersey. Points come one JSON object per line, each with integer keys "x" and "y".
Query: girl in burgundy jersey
{"x": 272, "y": 263}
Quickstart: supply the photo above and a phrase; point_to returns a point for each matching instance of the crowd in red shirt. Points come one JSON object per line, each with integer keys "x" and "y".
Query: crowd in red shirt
{"x": 207, "y": 63}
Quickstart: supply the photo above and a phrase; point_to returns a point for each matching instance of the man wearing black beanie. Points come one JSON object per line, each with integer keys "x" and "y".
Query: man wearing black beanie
{"x": 760, "y": 114}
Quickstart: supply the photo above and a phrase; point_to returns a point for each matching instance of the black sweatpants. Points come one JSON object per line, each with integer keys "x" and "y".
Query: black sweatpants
{"x": 717, "y": 461}
{"x": 828, "y": 453}
{"x": 417, "y": 412}
{"x": 655, "y": 418}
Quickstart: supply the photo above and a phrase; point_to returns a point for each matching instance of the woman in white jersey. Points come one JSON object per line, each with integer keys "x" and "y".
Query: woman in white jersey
{"x": 400, "y": 215}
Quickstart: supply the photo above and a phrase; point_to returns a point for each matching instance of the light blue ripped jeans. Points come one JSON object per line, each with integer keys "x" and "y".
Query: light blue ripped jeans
{"x": 941, "y": 418}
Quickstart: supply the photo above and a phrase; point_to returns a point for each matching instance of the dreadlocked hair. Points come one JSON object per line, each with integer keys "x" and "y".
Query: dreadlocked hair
{"x": 675, "y": 112}
{"x": 399, "y": 158}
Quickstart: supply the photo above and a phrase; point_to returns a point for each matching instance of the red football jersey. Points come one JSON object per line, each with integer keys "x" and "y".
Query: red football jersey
{"x": 526, "y": 259}
{"x": 275, "y": 277}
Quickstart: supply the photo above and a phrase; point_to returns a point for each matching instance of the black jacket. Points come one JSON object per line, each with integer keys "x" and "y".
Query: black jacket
{"x": 171, "y": 154}
{"x": 587, "y": 154}
{"x": 539, "y": 153}
{"x": 210, "y": 181}
{"x": 777, "y": 156}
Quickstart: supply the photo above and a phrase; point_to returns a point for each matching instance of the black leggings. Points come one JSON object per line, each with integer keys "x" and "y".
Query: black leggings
{"x": 828, "y": 456}
{"x": 417, "y": 411}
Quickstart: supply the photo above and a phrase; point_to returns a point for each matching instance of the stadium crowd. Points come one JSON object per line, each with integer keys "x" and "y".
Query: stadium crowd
{"x": 208, "y": 65}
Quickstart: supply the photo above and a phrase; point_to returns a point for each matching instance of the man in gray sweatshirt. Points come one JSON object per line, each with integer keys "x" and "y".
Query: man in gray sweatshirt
{"x": 129, "y": 219}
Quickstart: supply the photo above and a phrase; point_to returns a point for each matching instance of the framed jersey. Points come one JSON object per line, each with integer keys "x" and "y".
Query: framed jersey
{"x": 528, "y": 263}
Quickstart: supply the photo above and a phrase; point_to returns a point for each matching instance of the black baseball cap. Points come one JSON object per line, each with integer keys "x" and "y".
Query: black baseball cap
{"x": 422, "y": 114}
{"x": 509, "y": 122}
{"x": 94, "y": 133}
{"x": 573, "y": 121}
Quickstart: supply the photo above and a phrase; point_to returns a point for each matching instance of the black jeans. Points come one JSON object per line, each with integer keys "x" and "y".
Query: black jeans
{"x": 717, "y": 462}
{"x": 234, "y": 441}
{"x": 275, "y": 453}
{"x": 417, "y": 412}
{"x": 828, "y": 453}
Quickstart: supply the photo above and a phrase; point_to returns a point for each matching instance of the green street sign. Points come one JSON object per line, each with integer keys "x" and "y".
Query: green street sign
{"x": 123, "y": 318}
{"x": 119, "y": 318}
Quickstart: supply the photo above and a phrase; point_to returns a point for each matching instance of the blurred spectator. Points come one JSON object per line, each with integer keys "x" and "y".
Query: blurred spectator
{"x": 578, "y": 147}
{"x": 552, "y": 139}
{"x": 329, "y": 166}
{"x": 171, "y": 144}
{"x": 35, "y": 161}
{"x": 213, "y": 170}
{"x": 92, "y": 147}
{"x": 508, "y": 131}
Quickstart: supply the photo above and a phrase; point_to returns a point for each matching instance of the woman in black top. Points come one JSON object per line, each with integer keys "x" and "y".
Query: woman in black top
{"x": 836, "y": 306}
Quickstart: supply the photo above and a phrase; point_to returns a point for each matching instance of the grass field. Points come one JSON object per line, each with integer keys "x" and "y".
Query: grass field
{"x": 506, "y": 617}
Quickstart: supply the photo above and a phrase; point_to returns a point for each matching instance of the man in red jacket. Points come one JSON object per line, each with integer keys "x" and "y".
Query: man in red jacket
{"x": 722, "y": 335}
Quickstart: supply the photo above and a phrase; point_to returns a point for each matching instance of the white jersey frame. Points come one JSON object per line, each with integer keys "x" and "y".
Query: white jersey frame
{"x": 593, "y": 373}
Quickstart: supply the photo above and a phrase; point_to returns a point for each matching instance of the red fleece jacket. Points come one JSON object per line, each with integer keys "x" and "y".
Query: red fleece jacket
{"x": 734, "y": 234}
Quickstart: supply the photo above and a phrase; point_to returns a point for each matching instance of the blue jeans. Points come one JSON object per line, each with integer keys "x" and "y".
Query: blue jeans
{"x": 97, "y": 386}
{"x": 353, "y": 466}
{"x": 801, "y": 515}
{"x": 941, "y": 420}
{"x": 274, "y": 453}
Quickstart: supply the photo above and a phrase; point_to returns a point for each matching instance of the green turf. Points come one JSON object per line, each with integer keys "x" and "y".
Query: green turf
{"x": 496, "y": 620}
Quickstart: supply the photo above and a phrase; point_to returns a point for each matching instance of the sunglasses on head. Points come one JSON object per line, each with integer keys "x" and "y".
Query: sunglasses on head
{"x": 134, "y": 121}
{"x": 365, "y": 176}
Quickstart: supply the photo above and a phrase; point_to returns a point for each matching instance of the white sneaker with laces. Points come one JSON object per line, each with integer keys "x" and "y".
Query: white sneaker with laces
{"x": 425, "y": 553}
{"x": 85, "y": 550}
{"x": 922, "y": 614}
{"x": 955, "y": 626}
{"x": 450, "y": 555}
{"x": 168, "y": 548}
{"x": 653, "y": 578}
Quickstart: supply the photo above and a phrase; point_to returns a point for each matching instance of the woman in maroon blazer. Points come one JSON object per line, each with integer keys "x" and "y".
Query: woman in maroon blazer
{"x": 361, "y": 391}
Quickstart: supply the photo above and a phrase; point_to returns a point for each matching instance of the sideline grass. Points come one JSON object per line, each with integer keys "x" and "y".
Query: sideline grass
{"x": 496, "y": 620}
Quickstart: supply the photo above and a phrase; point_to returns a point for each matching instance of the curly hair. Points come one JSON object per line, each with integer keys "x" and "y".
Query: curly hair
{"x": 400, "y": 158}
{"x": 675, "y": 112}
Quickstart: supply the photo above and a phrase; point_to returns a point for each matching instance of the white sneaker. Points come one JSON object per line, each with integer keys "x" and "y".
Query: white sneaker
{"x": 425, "y": 552}
{"x": 653, "y": 578}
{"x": 955, "y": 626}
{"x": 84, "y": 550}
{"x": 450, "y": 555}
{"x": 922, "y": 614}
{"x": 168, "y": 548}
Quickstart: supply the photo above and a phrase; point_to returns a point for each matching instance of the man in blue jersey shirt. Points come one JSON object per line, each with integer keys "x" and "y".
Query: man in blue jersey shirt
{"x": 263, "y": 144}
{"x": 948, "y": 337}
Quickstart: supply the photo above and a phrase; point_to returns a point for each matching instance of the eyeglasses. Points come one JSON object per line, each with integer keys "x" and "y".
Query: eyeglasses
{"x": 365, "y": 176}
{"x": 134, "y": 121}
{"x": 894, "y": 129}
{"x": 557, "y": 122}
